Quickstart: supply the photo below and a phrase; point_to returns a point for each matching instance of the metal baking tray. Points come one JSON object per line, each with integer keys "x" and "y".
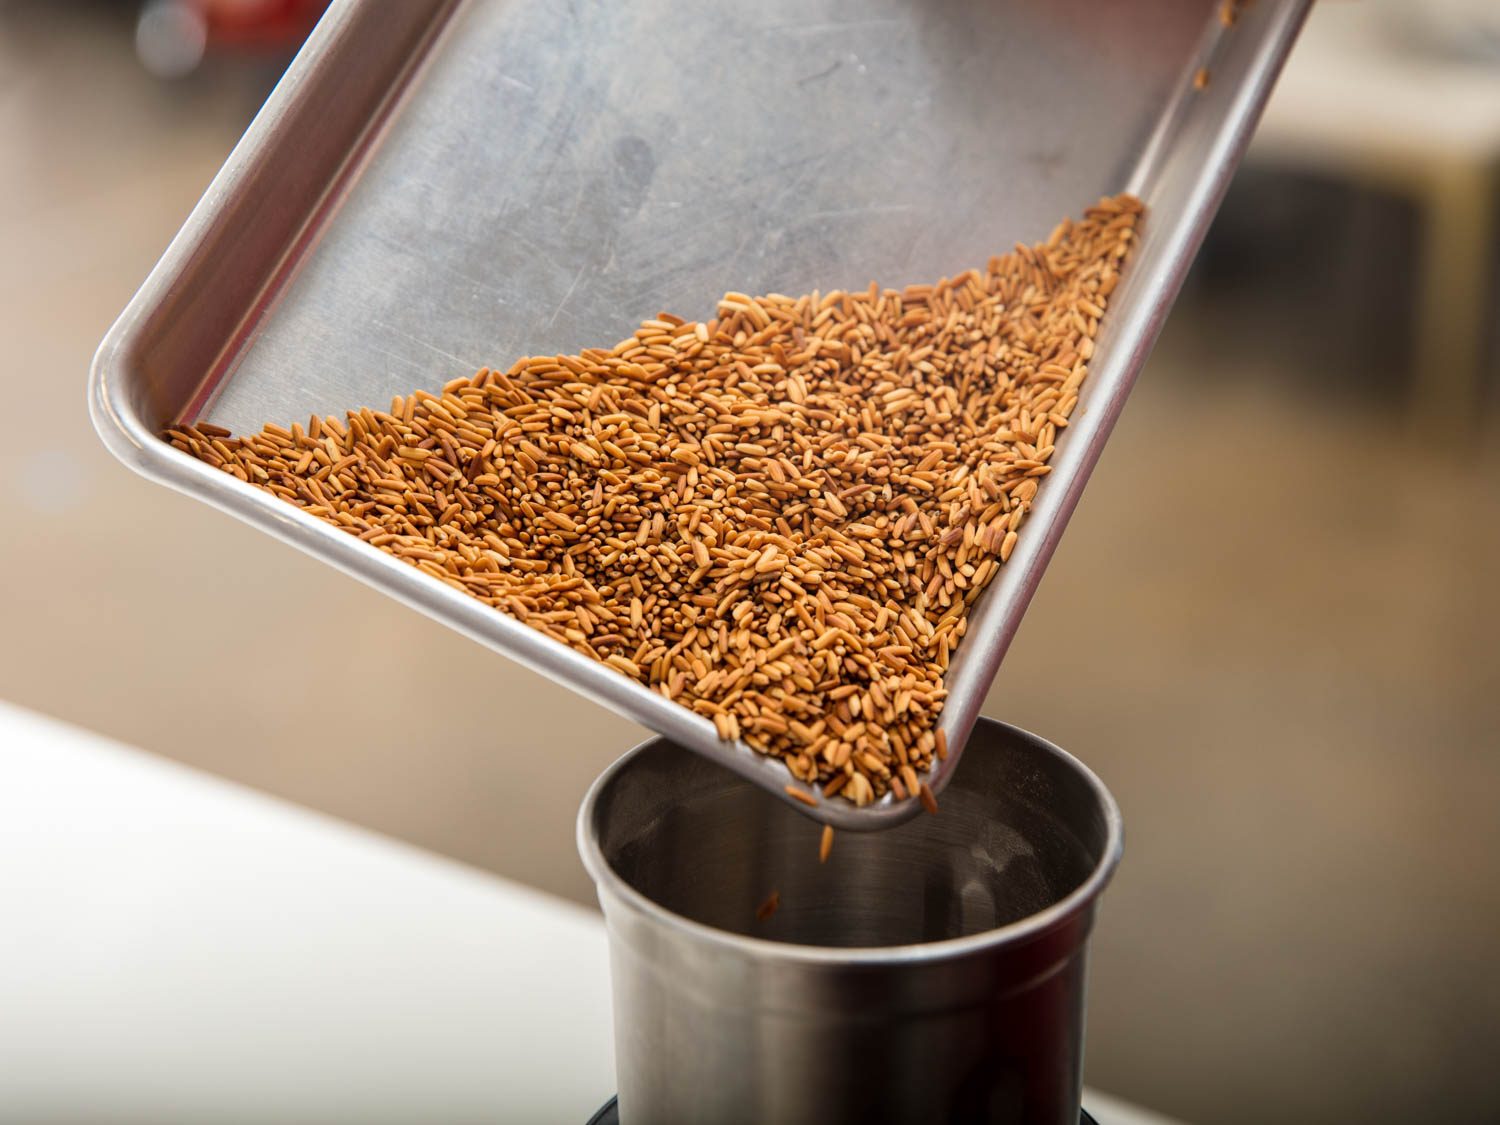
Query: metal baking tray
{"x": 440, "y": 185}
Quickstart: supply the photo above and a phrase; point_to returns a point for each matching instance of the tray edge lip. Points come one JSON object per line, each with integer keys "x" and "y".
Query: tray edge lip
{"x": 1138, "y": 324}
{"x": 114, "y": 418}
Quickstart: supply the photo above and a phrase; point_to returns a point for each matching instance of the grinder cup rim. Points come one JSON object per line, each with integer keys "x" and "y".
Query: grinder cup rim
{"x": 608, "y": 881}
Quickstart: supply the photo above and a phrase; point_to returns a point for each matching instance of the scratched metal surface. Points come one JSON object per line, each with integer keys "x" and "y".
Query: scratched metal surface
{"x": 562, "y": 171}
{"x": 440, "y": 185}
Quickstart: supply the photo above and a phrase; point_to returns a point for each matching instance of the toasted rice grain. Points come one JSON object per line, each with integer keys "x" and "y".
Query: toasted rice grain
{"x": 778, "y": 518}
{"x": 769, "y": 907}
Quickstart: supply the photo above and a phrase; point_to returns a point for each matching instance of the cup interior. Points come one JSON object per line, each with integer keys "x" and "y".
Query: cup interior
{"x": 1020, "y": 826}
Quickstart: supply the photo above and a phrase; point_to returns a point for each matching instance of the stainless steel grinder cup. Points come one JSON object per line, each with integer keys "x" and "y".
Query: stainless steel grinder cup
{"x": 931, "y": 972}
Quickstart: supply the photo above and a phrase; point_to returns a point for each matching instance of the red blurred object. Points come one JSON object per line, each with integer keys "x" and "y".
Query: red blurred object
{"x": 256, "y": 25}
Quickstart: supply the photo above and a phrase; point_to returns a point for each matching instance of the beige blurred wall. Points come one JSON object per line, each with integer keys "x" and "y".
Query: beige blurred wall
{"x": 1271, "y": 629}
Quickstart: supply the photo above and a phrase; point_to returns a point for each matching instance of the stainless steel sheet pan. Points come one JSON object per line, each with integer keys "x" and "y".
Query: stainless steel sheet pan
{"x": 440, "y": 185}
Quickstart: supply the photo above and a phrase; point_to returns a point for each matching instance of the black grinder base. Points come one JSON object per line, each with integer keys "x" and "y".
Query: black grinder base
{"x": 610, "y": 1115}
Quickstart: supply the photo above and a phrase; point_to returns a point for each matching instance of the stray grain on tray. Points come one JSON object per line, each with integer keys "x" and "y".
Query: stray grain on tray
{"x": 778, "y": 519}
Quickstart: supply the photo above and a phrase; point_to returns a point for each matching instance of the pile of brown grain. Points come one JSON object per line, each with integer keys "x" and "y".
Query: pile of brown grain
{"x": 778, "y": 518}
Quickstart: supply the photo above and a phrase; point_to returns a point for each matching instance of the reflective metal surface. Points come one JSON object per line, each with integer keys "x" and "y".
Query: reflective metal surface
{"x": 930, "y": 973}
{"x": 438, "y": 185}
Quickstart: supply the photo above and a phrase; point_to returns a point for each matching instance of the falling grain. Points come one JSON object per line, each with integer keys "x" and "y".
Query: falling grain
{"x": 764, "y": 911}
{"x": 1229, "y": 11}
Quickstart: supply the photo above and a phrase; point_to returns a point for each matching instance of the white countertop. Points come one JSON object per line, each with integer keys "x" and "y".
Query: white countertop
{"x": 176, "y": 948}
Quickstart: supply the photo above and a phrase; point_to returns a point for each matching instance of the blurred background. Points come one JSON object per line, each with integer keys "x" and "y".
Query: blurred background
{"x": 1271, "y": 628}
